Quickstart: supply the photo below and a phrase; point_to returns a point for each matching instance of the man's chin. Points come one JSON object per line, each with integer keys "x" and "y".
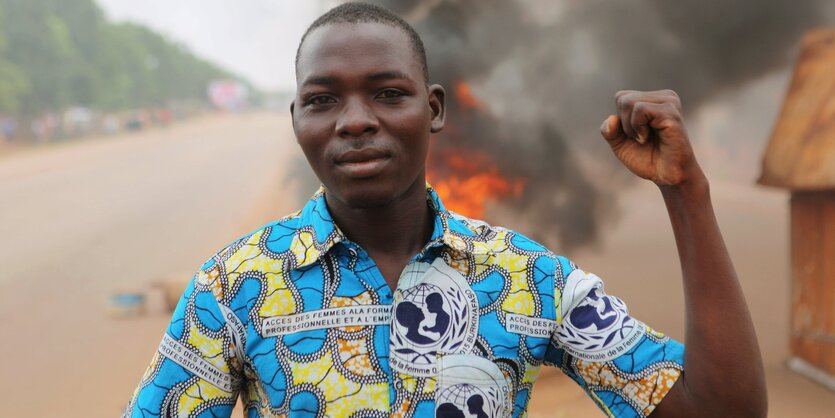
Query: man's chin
{"x": 368, "y": 200}
{"x": 362, "y": 197}
{"x": 368, "y": 196}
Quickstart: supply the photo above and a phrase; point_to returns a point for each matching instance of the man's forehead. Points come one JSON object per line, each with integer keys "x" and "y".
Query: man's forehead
{"x": 335, "y": 46}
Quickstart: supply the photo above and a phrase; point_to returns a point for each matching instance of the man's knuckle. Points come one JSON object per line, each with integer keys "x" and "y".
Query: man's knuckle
{"x": 640, "y": 110}
{"x": 673, "y": 97}
{"x": 674, "y": 110}
{"x": 625, "y": 103}
{"x": 670, "y": 123}
{"x": 622, "y": 93}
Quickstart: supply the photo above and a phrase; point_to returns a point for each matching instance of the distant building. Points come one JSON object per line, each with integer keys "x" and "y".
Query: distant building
{"x": 801, "y": 157}
{"x": 228, "y": 94}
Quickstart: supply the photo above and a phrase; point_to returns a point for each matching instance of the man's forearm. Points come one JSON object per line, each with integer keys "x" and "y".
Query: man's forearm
{"x": 723, "y": 373}
{"x": 723, "y": 366}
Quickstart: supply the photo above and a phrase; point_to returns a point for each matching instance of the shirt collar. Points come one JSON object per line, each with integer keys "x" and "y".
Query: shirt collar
{"x": 317, "y": 233}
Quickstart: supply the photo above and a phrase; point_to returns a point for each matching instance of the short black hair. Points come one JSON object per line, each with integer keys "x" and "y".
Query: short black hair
{"x": 356, "y": 12}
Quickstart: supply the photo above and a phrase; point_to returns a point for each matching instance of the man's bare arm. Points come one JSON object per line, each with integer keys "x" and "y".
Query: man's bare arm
{"x": 723, "y": 373}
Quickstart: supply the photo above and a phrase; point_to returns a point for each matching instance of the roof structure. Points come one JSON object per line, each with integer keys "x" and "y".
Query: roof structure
{"x": 801, "y": 152}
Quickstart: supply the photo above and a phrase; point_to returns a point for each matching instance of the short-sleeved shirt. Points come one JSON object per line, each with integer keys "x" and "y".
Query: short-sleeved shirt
{"x": 298, "y": 321}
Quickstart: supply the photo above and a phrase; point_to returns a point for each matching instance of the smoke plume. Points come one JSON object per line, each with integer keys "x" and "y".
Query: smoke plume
{"x": 546, "y": 72}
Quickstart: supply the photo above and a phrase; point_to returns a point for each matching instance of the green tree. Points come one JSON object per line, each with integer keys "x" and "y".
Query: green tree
{"x": 60, "y": 53}
{"x": 13, "y": 83}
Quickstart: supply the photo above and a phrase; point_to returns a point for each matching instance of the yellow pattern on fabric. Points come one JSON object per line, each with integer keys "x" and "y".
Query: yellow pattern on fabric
{"x": 402, "y": 410}
{"x": 531, "y": 372}
{"x": 485, "y": 252}
{"x": 209, "y": 348}
{"x": 646, "y": 391}
{"x": 342, "y": 395}
{"x": 246, "y": 258}
{"x": 493, "y": 246}
{"x": 456, "y": 242}
{"x": 361, "y": 299}
{"x": 279, "y": 299}
{"x": 355, "y": 357}
{"x": 429, "y": 385}
{"x": 495, "y": 252}
{"x": 409, "y": 382}
{"x": 214, "y": 283}
{"x": 520, "y": 298}
{"x": 196, "y": 395}
{"x": 656, "y": 334}
{"x": 458, "y": 261}
{"x": 302, "y": 247}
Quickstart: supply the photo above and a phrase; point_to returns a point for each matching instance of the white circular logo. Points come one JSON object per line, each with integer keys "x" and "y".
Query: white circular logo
{"x": 599, "y": 328}
{"x": 471, "y": 386}
{"x": 466, "y": 400}
{"x": 439, "y": 314}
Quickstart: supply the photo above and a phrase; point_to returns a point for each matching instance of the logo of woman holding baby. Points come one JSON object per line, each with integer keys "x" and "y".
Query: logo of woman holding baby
{"x": 439, "y": 314}
{"x": 463, "y": 401}
{"x": 470, "y": 386}
{"x": 599, "y": 328}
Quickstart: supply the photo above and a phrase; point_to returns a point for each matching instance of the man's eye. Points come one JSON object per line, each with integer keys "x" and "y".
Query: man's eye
{"x": 320, "y": 100}
{"x": 390, "y": 94}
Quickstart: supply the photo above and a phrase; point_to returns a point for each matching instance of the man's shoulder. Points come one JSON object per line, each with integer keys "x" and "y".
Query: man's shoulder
{"x": 485, "y": 236}
{"x": 496, "y": 244}
{"x": 274, "y": 238}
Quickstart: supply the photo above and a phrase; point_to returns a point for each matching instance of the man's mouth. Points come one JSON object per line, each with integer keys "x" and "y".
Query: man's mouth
{"x": 362, "y": 163}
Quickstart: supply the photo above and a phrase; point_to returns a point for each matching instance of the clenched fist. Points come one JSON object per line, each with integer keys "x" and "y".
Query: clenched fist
{"x": 647, "y": 135}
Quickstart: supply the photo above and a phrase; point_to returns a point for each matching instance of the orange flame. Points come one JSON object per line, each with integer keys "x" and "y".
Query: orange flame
{"x": 467, "y": 179}
{"x": 465, "y": 96}
{"x": 472, "y": 181}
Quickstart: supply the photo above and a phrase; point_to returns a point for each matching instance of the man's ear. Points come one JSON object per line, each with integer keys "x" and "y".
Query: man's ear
{"x": 437, "y": 105}
{"x": 293, "y": 115}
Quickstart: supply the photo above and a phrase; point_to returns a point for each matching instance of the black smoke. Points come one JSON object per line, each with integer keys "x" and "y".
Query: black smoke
{"x": 547, "y": 72}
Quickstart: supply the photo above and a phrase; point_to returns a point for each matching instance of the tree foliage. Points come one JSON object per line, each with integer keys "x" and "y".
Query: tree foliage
{"x": 60, "y": 53}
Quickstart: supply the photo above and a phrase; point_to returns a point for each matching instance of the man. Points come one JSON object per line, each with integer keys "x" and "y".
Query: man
{"x": 376, "y": 301}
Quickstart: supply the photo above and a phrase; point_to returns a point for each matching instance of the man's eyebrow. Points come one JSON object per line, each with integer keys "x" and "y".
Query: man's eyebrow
{"x": 320, "y": 80}
{"x": 388, "y": 75}
{"x": 378, "y": 76}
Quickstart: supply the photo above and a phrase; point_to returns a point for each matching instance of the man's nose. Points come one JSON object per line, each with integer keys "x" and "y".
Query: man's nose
{"x": 357, "y": 119}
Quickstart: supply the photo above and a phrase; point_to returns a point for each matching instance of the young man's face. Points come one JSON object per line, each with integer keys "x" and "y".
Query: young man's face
{"x": 363, "y": 114}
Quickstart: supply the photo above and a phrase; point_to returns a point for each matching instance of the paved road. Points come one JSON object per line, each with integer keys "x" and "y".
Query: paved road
{"x": 81, "y": 220}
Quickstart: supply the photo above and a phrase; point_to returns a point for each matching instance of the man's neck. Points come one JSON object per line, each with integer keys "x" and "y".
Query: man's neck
{"x": 396, "y": 230}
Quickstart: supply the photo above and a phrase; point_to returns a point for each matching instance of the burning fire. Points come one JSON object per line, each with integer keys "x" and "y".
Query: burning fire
{"x": 464, "y": 96}
{"x": 466, "y": 179}
{"x": 471, "y": 180}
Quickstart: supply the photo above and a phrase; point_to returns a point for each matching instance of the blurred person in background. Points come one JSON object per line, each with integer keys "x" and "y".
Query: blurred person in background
{"x": 8, "y": 125}
{"x": 374, "y": 300}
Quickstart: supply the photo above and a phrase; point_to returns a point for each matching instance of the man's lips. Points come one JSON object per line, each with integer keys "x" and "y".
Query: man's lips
{"x": 363, "y": 162}
{"x": 360, "y": 155}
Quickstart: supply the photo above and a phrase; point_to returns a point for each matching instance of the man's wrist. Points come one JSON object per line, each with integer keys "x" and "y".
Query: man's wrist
{"x": 695, "y": 189}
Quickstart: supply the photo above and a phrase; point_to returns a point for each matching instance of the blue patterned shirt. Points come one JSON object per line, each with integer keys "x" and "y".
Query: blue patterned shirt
{"x": 298, "y": 321}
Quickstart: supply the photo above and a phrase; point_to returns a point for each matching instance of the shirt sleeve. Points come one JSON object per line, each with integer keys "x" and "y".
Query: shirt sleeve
{"x": 196, "y": 370}
{"x": 623, "y": 365}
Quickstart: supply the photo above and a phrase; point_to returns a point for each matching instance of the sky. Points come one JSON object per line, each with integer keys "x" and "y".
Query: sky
{"x": 256, "y": 39}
